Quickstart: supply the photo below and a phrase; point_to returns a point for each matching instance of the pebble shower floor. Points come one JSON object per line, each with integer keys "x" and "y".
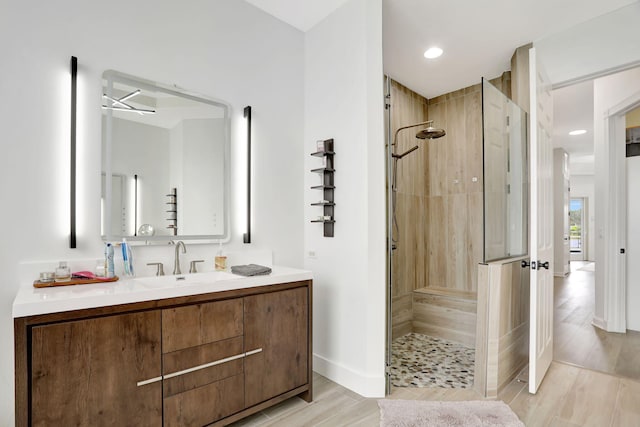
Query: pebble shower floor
{"x": 422, "y": 361}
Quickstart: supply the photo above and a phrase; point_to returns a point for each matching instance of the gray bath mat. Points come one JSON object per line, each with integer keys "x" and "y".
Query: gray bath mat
{"x": 422, "y": 413}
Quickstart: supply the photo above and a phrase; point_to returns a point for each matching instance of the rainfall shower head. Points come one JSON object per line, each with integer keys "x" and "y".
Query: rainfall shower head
{"x": 430, "y": 133}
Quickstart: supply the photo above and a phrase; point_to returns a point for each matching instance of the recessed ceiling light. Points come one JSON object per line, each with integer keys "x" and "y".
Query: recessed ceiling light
{"x": 432, "y": 52}
{"x": 577, "y": 132}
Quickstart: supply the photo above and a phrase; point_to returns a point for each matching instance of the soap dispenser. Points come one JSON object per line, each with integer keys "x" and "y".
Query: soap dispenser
{"x": 63, "y": 272}
{"x": 220, "y": 260}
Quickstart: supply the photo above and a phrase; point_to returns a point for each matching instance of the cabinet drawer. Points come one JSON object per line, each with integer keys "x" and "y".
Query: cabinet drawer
{"x": 205, "y": 405}
{"x": 199, "y": 357}
{"x": 194, "y": 325}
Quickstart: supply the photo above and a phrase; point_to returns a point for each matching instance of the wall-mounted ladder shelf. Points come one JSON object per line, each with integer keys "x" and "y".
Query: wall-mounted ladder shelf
{"x": 325, "y": 151}
{"x": 172, "y": 211}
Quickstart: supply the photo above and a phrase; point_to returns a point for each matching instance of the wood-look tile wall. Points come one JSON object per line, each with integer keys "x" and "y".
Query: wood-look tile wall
{"x": 439, "y": 199}
{"x": 445, "y": 313}
{"x": 454, "y": 248}
{"x": 409, "y": 266}
{"x": 502, "y": 331}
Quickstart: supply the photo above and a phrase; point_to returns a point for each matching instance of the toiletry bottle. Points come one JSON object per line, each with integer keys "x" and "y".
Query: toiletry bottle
{"x": 127, "y": 258}
{"x": 111, "y": 271}
{"x": 220, "y": 260}
{"x": 130, "y": 260}
{"x": 63, "y": 272}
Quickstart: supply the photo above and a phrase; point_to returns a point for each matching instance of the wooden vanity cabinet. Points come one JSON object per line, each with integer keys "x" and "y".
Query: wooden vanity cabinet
{"x": 276, "y": 323}
{"x": 207, "y": 359}
{"x": 86, "y": 372}
{"x": 202, "y": 346}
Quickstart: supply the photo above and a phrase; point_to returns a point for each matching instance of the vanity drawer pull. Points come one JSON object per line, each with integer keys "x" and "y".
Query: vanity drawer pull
{"x": 149, "y": 381}
{"x": 214, "y": 363}
{"x": 256, "y": 351}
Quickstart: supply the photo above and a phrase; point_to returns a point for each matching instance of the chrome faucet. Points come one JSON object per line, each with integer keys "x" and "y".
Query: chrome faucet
{"x": 176, "y": 265}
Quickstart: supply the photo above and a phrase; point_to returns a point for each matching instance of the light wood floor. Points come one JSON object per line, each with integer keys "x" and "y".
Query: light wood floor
{"x": 569, "y": 396}
{"x": 577, "y": 341}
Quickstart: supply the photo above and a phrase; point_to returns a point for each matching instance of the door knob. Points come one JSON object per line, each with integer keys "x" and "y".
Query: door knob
{"x": 544, "y": 265}
{"x": 525, "y": 264}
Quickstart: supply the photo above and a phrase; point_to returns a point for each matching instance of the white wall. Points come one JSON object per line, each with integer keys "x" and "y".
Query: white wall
{"x": 143, "y": 150}
{"x": 560, "y": 212}
{"x": 343, "y": 101}
{"x": 608, "y": 92}
{"x": 225, "y": 48}
{"x": 592, "y": 48}
{"x": 633, "y": 244}
{"x": 201, "y": 197}
{"x": 583, "y": 186}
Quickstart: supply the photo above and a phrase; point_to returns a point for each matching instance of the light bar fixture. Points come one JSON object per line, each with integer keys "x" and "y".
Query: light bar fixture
{"x": 247, "y": 115}
{"x": 72, "y": 166}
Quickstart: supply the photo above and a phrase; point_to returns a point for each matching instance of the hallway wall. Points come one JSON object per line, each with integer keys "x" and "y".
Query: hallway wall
{"x": 583, "y": 186}
{"x": 633, "y": 244}
{"x": 608, "y": 92}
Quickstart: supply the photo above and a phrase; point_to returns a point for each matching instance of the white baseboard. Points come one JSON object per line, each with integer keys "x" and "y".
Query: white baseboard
{"x": 599, "y": 323}
{"x": 363, "y": 384}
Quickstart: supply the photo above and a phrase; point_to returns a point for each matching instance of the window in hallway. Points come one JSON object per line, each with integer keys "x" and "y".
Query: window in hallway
{"x": 576, "y": 228}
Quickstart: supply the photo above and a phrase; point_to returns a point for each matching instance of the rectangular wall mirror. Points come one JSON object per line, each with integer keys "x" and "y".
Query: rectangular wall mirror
{"x": 165, "y": 162}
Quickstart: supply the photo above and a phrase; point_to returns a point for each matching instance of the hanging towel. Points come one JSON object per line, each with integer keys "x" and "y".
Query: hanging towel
{"x": 250, "y": 270}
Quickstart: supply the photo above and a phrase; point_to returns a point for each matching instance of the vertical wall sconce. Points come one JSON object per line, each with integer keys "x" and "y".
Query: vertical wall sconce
{"x": 135, "y": 204}
{"x": 247, "y": 115}
{"x": 72, "y": 166}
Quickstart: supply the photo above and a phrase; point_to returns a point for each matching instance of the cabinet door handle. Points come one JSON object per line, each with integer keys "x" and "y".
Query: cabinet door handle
{"x": 208, "y": 365}
{"x": 149, "y": 381}
{"x": 256, "y": 351}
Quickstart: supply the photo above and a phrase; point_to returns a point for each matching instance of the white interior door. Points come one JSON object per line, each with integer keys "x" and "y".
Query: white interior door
{"x": 541, "y": 242}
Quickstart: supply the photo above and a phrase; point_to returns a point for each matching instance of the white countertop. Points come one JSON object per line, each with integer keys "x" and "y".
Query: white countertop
{"x": 33, "y": 301}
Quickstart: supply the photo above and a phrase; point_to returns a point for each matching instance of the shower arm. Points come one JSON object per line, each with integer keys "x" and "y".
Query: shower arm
{"x": 395, "y": 136}
{"x": 399, "y": 156}
{"x": 396, "y": 156}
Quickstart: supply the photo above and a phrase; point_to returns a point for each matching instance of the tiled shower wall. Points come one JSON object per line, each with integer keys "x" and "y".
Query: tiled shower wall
{"x": 439, "y": 200}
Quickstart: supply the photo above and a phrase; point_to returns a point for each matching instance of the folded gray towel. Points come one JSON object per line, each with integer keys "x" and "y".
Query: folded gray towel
{"x": 250, "y": 270}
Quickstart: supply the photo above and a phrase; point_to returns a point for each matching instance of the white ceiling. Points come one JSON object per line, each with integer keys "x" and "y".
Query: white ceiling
{"x": 572, "y": 110}
{"x": 478, "y": 38}
{"x": 302, "y": 14}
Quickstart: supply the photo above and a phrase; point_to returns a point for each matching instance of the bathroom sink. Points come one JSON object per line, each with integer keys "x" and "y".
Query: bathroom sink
{"x": 185, "y": 279}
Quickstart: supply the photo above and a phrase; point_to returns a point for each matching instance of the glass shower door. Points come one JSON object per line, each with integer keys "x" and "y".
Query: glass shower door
{"x": 505, "y": 175}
